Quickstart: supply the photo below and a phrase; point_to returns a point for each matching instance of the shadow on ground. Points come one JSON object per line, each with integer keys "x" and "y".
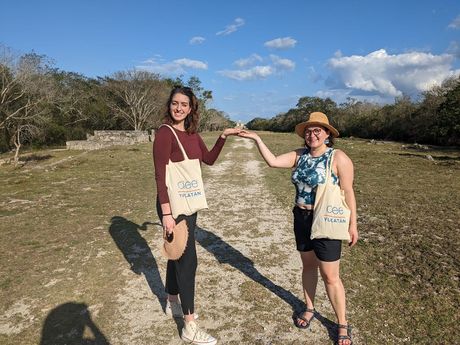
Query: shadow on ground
{"x": 227, "y": 254}
{"x": 136, "y": 251}
{"x": 70, "y": 324}
{"x": 330, "y": 325}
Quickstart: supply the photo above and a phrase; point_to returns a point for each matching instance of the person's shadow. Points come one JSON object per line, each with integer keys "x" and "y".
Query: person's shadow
{"x": 68, "y": 324}
{"x": 227, "y": 254}
{"x": 138, "y": 254}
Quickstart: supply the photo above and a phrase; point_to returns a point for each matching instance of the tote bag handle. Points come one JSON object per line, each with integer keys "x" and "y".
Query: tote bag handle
{"x": 328, "y": 173}
{"x": 178, "y": 141}
{"x": 329, "y": 167}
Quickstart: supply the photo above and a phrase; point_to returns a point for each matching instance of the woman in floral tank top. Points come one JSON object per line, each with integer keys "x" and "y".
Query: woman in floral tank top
{"x": 309, "y": 170}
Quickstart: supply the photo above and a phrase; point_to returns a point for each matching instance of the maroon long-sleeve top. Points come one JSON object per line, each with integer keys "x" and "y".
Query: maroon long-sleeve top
{"x": 165, "y": 148}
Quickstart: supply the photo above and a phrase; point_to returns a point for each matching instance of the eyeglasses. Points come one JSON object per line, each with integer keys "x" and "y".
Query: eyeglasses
{"x": 315, "y": 131}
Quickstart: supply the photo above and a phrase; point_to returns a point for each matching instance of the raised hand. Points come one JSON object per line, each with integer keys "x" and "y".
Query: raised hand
{"x": 230, "y": 131}
{"x": 248, "y": 134}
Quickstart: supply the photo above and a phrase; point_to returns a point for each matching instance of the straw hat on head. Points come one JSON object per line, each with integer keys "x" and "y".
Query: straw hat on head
{"x": 316, "y": 119}
{"x": 174, "y": 244}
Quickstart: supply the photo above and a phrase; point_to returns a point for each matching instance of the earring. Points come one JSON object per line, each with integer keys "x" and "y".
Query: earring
{"x": 327, "y": 141}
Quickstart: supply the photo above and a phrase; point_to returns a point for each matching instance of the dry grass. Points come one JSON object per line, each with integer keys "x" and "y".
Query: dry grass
{"x": 402, "y": 279}
{"x": 56, "y": 249}
{"x": 69, "y": 222}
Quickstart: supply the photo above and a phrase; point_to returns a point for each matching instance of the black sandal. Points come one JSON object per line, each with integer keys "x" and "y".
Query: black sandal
{"x": 344, "y": 337}
{"x": 300, "y": 316}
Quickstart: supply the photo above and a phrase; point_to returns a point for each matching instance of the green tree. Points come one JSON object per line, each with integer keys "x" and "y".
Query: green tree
{"x": 446, "y": 129}
{"x": 258, "y": 124}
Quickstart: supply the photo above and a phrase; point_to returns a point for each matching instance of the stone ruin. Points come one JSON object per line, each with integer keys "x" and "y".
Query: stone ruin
{"x": 103, "y": 139}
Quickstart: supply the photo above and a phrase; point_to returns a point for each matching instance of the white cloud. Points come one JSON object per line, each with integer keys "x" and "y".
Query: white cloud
{"x": 197, "y": 40}
{"x": 232, "y": 27}
{"x": 254, "y": 73}
{"x": 282, "y": 64}
{"x": 454, "y": 49}
{"x": 175, "y": 67}
{"x": 278, "y": 66}
{"x": 455, "y": 23}
{"x": 313, "y": 75}
{"x": 191, "y": 63}
{"x": 342, "y": 96}
{"x": 390, "y": 75}
{"x": 281, "y": 43}
{"x": 254, "y": 58}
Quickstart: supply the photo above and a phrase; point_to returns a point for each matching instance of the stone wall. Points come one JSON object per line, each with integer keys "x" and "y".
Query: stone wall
{"x": 102, "y": 139}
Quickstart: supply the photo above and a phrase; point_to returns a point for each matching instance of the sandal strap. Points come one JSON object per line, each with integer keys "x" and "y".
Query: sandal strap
{"x": 300, "y": 317}
{"x": 303, "y": 318}
{"x": 343, "y": 337}
{"x": 302, "y": 313}
{"x": 344, "y": 326}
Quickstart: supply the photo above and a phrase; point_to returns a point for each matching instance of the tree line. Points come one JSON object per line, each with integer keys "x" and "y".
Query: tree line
{"x": 433, "y": 119}
{"x": 41, "y": 105}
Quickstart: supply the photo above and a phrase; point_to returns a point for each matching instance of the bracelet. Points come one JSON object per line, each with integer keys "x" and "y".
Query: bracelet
{"x": 167, "y": 214}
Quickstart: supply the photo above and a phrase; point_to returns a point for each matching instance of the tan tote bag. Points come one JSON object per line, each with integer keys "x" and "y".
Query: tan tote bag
{"x": 331, "y": 214}
{"x": 185, "y": 184}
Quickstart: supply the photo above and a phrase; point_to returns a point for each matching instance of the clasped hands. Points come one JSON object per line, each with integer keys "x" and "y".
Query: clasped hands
{"x": 239, "y": 132}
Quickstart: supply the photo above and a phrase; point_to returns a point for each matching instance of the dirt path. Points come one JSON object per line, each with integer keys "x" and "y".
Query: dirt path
{"x": 248, "y": 280}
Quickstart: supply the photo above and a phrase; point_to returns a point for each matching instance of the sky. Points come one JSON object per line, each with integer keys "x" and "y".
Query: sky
{"x": 257, "y": 57}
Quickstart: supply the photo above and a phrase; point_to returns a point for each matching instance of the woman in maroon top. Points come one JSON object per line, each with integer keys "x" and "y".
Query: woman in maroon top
{"x": 183, "y": 116}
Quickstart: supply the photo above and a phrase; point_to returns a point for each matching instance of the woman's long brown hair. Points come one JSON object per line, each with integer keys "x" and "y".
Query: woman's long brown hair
{"x": 192, "y": 119}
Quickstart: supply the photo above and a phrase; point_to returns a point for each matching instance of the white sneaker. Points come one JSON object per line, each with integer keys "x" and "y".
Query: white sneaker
{"x": 174, "y": 309}
{"x": 192, "y": 334}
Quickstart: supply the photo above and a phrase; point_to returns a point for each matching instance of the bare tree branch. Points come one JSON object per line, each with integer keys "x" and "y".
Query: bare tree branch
{"x": 137, "y": 97}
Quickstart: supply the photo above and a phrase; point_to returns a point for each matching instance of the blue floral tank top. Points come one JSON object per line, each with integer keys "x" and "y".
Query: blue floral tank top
{"x": 308, "y": 173}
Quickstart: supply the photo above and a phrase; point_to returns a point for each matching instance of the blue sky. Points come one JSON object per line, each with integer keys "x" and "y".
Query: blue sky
{"x": 258, "y": 57}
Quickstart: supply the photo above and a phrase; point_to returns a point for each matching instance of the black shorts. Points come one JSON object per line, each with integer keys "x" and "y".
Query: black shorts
{"x": 324, "y": 248}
